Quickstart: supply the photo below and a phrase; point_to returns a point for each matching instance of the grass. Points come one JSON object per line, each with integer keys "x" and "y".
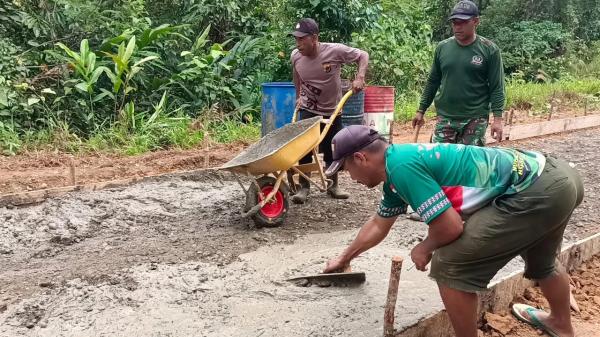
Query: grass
{"x": 10, "y": 143}
{"x": 168, "y": 133}
{"x": 537, "y": 96}
{"x": 229, "y": 131}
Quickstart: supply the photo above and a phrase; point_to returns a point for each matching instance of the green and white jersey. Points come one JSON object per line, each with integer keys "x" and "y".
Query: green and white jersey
{"x": 434, "y": 177}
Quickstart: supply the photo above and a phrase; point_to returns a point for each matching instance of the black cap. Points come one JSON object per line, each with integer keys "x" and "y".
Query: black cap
{"x": 464, "y": 10}
{"x": 347, "y": 141}
{"x": 306, "y": 26}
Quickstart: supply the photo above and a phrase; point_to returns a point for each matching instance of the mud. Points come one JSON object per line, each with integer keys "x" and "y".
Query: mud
{"x": 272, "y": 142}
{"x": 173, "y": 257}
{"x": 586, "y": 290}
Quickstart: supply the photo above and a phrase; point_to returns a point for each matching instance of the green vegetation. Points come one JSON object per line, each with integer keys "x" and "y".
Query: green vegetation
{"x": 132, "y": 76}
{"x": 537, "y": 96}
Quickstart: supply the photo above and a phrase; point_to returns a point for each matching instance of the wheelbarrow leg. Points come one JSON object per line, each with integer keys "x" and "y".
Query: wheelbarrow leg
{"x": 321, "y": 172}
{"x": 307, "y": 178}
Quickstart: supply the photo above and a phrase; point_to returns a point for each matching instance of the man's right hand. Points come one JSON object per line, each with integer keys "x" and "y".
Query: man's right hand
{"x": 419, "y": 119}
{"x": 336, "y": 265}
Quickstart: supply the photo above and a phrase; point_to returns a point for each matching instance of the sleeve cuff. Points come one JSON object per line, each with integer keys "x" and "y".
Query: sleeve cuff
{"x": 390, "y": 212}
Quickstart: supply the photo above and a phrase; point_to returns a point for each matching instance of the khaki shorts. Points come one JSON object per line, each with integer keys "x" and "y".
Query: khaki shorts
{"x": 530, "y": 223}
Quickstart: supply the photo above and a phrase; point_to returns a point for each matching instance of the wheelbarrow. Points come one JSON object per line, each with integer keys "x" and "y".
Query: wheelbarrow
{"x": 273, "y": 159}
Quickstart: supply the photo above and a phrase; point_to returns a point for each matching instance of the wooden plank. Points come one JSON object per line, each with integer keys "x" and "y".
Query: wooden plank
{"x": 522, "y": 131}
{"x": 23, "y": 198}
{"x": 32, "y": 197}
{"x": 438, "y": 325}
{"x": 582, "y": 122}
{"x": 501, "y": 293}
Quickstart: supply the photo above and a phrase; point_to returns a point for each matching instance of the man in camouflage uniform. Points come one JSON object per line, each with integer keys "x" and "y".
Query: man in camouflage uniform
{"x": 467, "y": 82}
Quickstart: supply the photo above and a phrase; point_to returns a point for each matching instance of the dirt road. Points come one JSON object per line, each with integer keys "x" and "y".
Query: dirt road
{"x": 172, "y": 257}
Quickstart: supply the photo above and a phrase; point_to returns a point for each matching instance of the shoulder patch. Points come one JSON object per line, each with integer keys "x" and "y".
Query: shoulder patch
{"x": 295, "y": 55}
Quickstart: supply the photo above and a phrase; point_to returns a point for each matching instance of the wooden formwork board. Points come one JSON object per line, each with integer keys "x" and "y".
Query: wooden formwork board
{"x": 32, "y": 197}
{"x": 523, "y": 131}
{"x": 501, "y": 293}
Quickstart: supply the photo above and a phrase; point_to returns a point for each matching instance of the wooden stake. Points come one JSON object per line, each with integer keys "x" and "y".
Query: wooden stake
{"x": 392, "y": 296}
{"x": 72, "y": 171}
{"x": 391, "y": 132}
{"x": 551, "y": 106}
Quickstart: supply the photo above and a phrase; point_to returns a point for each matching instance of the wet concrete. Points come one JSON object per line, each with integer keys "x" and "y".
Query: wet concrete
{"x": 249, "y": 297}
{"x": 272, "y": 142}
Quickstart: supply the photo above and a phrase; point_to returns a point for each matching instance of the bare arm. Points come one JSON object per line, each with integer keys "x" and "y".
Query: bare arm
{"x": 371, "y": 233}
{"x": 363, "y": 64}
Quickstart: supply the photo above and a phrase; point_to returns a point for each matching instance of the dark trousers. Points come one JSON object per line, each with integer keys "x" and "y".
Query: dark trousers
{"x": 325, "y": 146}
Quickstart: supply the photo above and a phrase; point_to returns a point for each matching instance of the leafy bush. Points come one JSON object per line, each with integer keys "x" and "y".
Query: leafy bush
{"x": 399, "y": 47}
{"x": 534, "y": 48}
{"x": 338, "y": 19}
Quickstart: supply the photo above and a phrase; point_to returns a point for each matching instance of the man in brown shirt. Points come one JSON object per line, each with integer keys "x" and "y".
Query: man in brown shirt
{"x": 316, "y": 71}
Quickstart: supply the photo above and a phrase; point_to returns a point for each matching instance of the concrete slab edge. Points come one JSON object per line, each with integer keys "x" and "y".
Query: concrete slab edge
{"x": 501, "y": 293}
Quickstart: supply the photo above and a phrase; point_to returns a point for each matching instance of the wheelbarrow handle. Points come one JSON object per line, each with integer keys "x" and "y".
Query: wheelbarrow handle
{"x": 335, "y": 114}
{"x": 296, "y": 109}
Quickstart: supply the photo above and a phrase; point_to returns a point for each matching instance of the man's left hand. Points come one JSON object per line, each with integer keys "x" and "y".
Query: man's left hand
{"x": 496, "y": 129}
{"x": 421, "y": 255}
{"x": 358, "y": 85}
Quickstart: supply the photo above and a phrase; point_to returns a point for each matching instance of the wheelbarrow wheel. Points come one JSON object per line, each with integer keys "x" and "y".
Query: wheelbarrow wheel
{"x": 273, "y": 213}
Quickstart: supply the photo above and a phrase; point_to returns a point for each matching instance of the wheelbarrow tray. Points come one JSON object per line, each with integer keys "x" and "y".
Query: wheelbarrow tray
{"x": 278, "y": 150}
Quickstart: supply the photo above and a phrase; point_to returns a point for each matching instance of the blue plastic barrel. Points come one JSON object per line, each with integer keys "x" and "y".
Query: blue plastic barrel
{"x": 278, "y": 103}
{"x": 354, "y": 110}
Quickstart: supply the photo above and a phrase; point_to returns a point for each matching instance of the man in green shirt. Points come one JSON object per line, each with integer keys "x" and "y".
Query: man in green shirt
{"x": 468, "y": 77}
{"x": 483, "y": 207}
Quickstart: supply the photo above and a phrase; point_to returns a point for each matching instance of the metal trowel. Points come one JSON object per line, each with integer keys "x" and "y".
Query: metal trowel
{"x": 347, "y": 277}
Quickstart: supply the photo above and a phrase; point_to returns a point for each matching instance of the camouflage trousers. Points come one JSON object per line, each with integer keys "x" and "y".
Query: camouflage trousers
{"x": 460, "y": 131}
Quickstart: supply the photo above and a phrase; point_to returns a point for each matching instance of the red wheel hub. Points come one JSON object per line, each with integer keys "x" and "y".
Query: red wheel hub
{"x": 274, "y": 208}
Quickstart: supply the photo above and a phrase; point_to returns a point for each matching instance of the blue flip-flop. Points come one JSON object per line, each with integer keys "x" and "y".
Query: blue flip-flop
{"x": 518, "y": 310}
